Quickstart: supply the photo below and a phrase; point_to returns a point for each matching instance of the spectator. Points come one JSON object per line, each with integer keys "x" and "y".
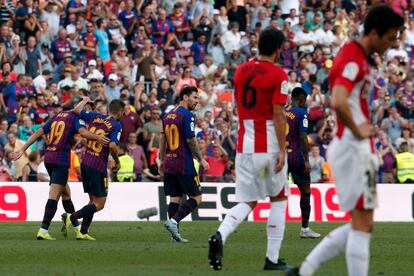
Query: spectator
{"x": 405, "y": 137}
{"x": 217, "y": 164}
{"x": 30, "y": 169}
{"x": 231, "y": 39}
{"x": 152, "y": 129}
{"x": 228, "y": 141}
{"x": 26, "y": 130}
{"x": 127, "y": 166}
{"x": 185, "y": 80}
{"x": 317, "y": 163}
{"x": 131, "y": 123}
{"x": 60, "y": 46}
{"x": 387, "y": 154}
{"x": 116, "y": 32}
{"x": 15, "y": 144}
{"x": 405, "y": 165}
{"x": 393, "y": 125}
{"x": 103, "y": 40}
{"x": 145, "y": 58}
{"x": 137, "y": 153}
{"x": 199, "y": 49}
{"x": 74, "y": 168}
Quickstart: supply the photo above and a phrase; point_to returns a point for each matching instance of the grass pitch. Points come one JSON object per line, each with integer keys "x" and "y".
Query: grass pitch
{"x": 142, "y": 248}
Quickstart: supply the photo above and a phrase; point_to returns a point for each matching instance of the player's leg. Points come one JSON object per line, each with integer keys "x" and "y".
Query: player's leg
{"x": 58, "y": 179}
{"x": 190, "y": 185}
{"x": 173, "y": 206}
{"x": 357, "y": 246}
{"x": 302, "y": 180}
{"x": 275, "y": 231}
{"x": 69, "y": 209}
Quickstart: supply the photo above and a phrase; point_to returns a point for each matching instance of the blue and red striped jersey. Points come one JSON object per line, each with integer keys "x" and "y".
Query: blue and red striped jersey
{"x": 96, "y": 154}
{"x": 60, "y": 131}
{"x": 297, "y": 123}
{"x": 178, "y": 126}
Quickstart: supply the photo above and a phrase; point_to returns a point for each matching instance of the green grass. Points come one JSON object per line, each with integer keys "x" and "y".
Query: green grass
{"x": 139, "y": 248}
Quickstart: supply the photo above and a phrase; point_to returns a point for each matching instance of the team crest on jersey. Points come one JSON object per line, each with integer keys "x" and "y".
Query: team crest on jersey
{"x": 350, "y": 71}
{"x": 118, "y": 136}
{"x": 305, "y": 122}
{"x": 284, "y": 88}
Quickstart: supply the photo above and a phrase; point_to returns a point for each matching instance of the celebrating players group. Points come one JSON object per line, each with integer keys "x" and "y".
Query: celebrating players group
{"x": 271, "y": 142}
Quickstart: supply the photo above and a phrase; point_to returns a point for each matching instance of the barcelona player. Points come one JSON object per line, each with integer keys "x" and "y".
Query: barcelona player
{"x": 178, "y": 147}
{"x": 60, "y": 131}
{"x": 298, "y": 155}
{"x": 95, "y": 163}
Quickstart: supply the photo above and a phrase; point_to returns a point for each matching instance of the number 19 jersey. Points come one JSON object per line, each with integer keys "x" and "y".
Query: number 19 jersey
{"x": 96, "y": 155}
{"x": 258, "y": 86}
{"x": 178, "y": 126}
{"x": 60, "y": 131}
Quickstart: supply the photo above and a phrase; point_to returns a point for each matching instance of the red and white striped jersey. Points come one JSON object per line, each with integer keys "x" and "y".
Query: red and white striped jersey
{"x": 258, "y": 86}
{"x": 351, "y": 69}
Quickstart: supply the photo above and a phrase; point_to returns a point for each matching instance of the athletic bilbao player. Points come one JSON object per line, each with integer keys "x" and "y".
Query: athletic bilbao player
{"x": 351, "y": 154}
{"x": 261, "y": 94}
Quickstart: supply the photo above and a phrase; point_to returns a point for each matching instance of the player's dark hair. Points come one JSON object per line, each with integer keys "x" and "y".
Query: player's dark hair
{"x": 381, "y": 19}
{"x": 187, "y": 90}
{"x": 116, "y": 106}
{"x": 270, "y": 40}
{"x": 297, "y": 92}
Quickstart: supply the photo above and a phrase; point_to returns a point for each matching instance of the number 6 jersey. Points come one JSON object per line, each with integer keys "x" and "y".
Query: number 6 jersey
{"x": 60, "y": 131}
{"x": 258, "y": 86}
{"x": 178, "y": 126}
{"x": 96, "y": 154}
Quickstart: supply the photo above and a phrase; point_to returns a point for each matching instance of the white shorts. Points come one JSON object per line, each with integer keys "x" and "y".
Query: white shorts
{"x": 354, "y": 168}
{"x": 256, "y": 178}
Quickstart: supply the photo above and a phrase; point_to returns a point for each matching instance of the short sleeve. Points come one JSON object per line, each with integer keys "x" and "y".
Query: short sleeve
{"x": 303, "y": 122}
{"x": 189, "y": 126}
{"x": 280, "y": 95}
{"x": 88, "y": 116}
{"x": 347, "y": 74}
{"x": 79, "y": 123}
{"x": 115, "y": 134}
{"x": 46, "y": 127}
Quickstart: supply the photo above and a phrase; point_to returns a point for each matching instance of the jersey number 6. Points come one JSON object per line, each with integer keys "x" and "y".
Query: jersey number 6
{"x": 249, "y": 94}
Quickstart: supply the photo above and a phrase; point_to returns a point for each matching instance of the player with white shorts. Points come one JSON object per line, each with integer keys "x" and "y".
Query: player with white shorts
{"x": 261, "y": 171}
{"x": 352, "y": 154}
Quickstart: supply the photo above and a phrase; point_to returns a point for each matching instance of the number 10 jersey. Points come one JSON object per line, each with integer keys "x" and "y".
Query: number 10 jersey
{"x": 258, "y": 86}
{"x": 178, "y": 126}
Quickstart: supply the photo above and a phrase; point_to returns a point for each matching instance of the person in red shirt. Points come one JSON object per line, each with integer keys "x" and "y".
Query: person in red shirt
{"x": 261, "y": 90}
{"x": 217, "y": 163}
{"x": 351, "y": 154}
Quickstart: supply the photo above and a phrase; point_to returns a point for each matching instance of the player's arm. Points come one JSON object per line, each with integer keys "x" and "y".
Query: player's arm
{"x": 81, "y": 105}
{"x": 192, "y": 144}
{"x": 340, "y": 103}
{"x": 113, "y": 149}
{"x": 33, "y": 138}
{"x": 102, "y": 139}
{"x": 279, "y": 121}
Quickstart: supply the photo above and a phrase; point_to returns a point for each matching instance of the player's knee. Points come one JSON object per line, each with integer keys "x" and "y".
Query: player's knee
{"x": 198, "y": 199}
{"x": 99, "y": 203}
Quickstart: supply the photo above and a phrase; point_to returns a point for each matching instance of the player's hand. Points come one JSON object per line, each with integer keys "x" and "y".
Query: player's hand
{"x": 116, "y": 168}
{"x": 102, "y": 139}
{"x": 307, "y": 167}
{"x": 16, "y": 155}
{"x": 86, "y": 99}
{"x": 161, "y": 169}
{"x": 365, "y": 130}
{"x": 205, "y": 164}
{"x": 280, "y": 161}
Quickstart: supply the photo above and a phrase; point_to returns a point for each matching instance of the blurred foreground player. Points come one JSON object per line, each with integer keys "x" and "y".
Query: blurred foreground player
{"x": 298, "y": 156}
{"x": 60, "y": 131}
{"x": 178, "y": 147}
{"x": 261, "y": 94}
{"x": 94, "y": 164}
{"x": 352, "y": 154}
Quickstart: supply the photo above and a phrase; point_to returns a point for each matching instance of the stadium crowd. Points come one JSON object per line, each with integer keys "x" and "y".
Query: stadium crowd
{"x": 52, "y": 52}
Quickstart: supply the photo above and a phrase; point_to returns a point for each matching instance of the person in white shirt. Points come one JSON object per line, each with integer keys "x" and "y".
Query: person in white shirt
{"x": 397, "y": 52}
{"x": 293, "y": 19}
{"x": 231, "y": 39}
{"x": 305, "y": 39}
{"x": 92, "y": 72}
{"x": 42, "y": 174}
{"x": 40, "y": 82}
{"x": 51, "y": 15}
{"x": 287, "y": 5}
{"x": 74, "y": 80}
{"x": 325, "y": 37}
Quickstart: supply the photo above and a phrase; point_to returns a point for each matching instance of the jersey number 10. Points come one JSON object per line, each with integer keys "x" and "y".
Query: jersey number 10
{"x": 93, "y": 144}
{"x": 172, "y": 134}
